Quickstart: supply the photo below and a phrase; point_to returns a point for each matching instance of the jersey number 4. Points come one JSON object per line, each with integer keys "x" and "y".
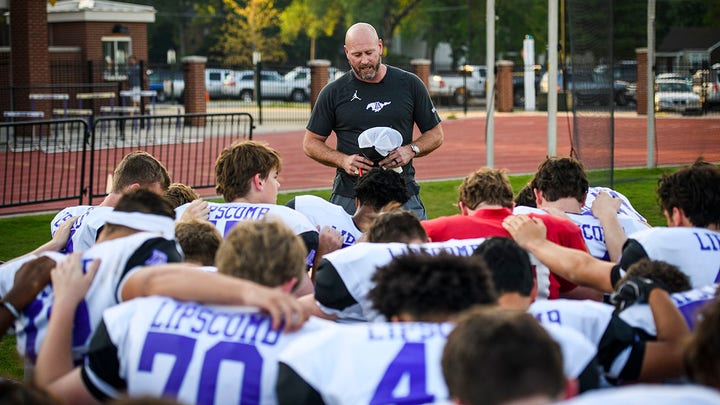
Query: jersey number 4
{"x": 408, "y": 364}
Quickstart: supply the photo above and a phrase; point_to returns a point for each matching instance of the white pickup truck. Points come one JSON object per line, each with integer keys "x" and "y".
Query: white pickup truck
{"x": 453, "y": 86}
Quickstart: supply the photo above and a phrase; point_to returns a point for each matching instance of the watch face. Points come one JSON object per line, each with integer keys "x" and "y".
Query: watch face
{"x": 415, "y": 148}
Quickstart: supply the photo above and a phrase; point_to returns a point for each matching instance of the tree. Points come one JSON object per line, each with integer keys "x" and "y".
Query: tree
{"x": 251, "y": 27}
{"x": 314, "y": 18}
{"x": 384, "y": 15}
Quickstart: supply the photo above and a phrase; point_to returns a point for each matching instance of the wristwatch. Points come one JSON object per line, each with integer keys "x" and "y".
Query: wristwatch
{"x": 415, "y": 148}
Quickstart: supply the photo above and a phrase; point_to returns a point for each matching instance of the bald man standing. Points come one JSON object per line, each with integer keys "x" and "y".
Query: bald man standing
{"x": 371, "y": 94}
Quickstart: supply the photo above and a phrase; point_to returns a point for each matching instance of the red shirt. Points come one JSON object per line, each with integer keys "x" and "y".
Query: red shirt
{"x": 487, "y": 222}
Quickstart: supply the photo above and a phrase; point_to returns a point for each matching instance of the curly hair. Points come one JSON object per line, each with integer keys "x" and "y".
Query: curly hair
{"x": 665, "y": 273}
{"x": 396, "y": 225}
{"x": 496, "y": 356}
{"x": 199, "y": 241}
{"x": 379, "y": 187}
{"x": 509, "y": 265}
{"x": 526, "y": 196}
{"x": 139, "y": 167}
{"x": 560, "y": 178}
{"x": 695, "y": 190}
{"x": 266, "y": 252}
{"x": 238, "y": 163}
{"x": 179, "y": 194}
{"x": 429, "y": 287}
{"x": 488, "y": 186}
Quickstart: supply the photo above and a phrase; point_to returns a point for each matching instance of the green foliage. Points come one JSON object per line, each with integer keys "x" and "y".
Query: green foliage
{"x": 250, "y": 26}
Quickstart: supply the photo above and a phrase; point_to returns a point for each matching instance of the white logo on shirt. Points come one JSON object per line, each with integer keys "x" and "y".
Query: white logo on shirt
{"x": 355, "y": 97}
{"x": 376, "y": 106}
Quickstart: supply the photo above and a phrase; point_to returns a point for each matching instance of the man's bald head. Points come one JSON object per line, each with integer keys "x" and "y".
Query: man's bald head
{"x": 360, "y": 30}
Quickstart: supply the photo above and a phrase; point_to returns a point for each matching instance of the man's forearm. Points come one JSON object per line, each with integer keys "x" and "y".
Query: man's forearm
{"x": 321, "y": 152}
{"x": 429, "y": 140}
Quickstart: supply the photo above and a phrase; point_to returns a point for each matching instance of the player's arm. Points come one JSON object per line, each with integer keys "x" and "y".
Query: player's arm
{"x": 577, "y": 266}
{"x": 30, "y": 279}
{"x": 315, "y": 147}
{"x": 187, "y": 283}
{"x": 70, "y": 284}
{"x": 72, "y": 389}
{"x": 605, "y": 209}
{"x": 664, "y": 357}
{"x": 311, "y": 307}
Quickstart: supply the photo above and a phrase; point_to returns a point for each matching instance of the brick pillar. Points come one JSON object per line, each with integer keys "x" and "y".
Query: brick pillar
{"x": 421, "y": 67}
{"x": 195, "y": 92}
{"x": 30, "y": 59}
{"x": 504, "y": 92}
{"x": 641, "y": 93}
{"x": 319, "y": 72}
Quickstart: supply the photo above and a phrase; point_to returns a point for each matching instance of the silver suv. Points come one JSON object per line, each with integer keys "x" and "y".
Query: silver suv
{"x": 241, "y": 84}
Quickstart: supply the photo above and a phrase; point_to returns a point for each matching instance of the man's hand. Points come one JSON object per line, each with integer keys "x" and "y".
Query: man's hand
{"x": 355, "y": 164}
{"x": 605, "y": 205}
{"x": 398, "y": 158}
{"x": 70, "y": 283}
{"x": 198, "y": 209}
{"x": 30, "y": 279}
{"x": 635, "y": 290}
{"x": 284, "y": 309}
{"x": 525, "y": 230}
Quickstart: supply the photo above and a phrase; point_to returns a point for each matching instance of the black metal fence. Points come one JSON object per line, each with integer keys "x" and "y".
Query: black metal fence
{"x": 70, "y": 159}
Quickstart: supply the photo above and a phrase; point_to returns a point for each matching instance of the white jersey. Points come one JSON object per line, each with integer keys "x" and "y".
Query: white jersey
{"x": 591, "y": 318}
{"x": 225, "y": 215}
{"x": 626, "y": 209}
{"x": 688, "y": 302}
{"x": 324, "y": 213}
{"x": 591, "y": 230}
{"x": 65, "y": 214}
{"x": 84, "y": 231}
{"x": 118, "y": 258}
{"x": 577, "y": 350}
{"x": 649, "y": 394}
{"x": 197, "y": 354}
{"x": 695, "y": 251}
{"x": 384, "y": 363}
{"x": 349, "y": 272}
{"x": 372, "y": 363}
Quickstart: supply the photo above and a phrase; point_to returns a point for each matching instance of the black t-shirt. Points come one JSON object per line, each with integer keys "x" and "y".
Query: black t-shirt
{"x": 349, "y": 106}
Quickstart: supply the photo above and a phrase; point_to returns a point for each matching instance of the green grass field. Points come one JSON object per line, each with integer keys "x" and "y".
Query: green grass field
{"x": 22, "y": 234}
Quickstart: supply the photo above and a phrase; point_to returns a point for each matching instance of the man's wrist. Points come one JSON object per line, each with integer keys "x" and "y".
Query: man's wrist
{"x": 415, "y": 149}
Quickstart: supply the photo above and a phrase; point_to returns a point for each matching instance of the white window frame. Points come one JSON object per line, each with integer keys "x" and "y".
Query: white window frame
{"x": 115, "y": 61}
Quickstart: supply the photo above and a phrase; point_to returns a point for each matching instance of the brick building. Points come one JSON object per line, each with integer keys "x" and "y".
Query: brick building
{"x": 44, "y": 46}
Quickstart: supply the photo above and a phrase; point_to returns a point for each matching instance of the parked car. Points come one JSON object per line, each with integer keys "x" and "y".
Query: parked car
{"x": 299, "y": 78}
{"x": 241, "y": 84}
{"x": 677, "y": 96}
{"x": 590, "y": 88}
{"x": 165, "y": 82}
{"x": 626, "y": 72}
{"x": 452, "y": 85}
{"x": 173, "y": 83}
{"x": 706, "y": 84}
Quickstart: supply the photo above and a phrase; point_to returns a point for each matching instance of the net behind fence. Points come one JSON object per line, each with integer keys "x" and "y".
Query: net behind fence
{"x": 591, "y": 90}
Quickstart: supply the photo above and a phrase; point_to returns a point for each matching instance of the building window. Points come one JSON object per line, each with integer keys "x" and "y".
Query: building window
{"x": 115, "y": 53}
